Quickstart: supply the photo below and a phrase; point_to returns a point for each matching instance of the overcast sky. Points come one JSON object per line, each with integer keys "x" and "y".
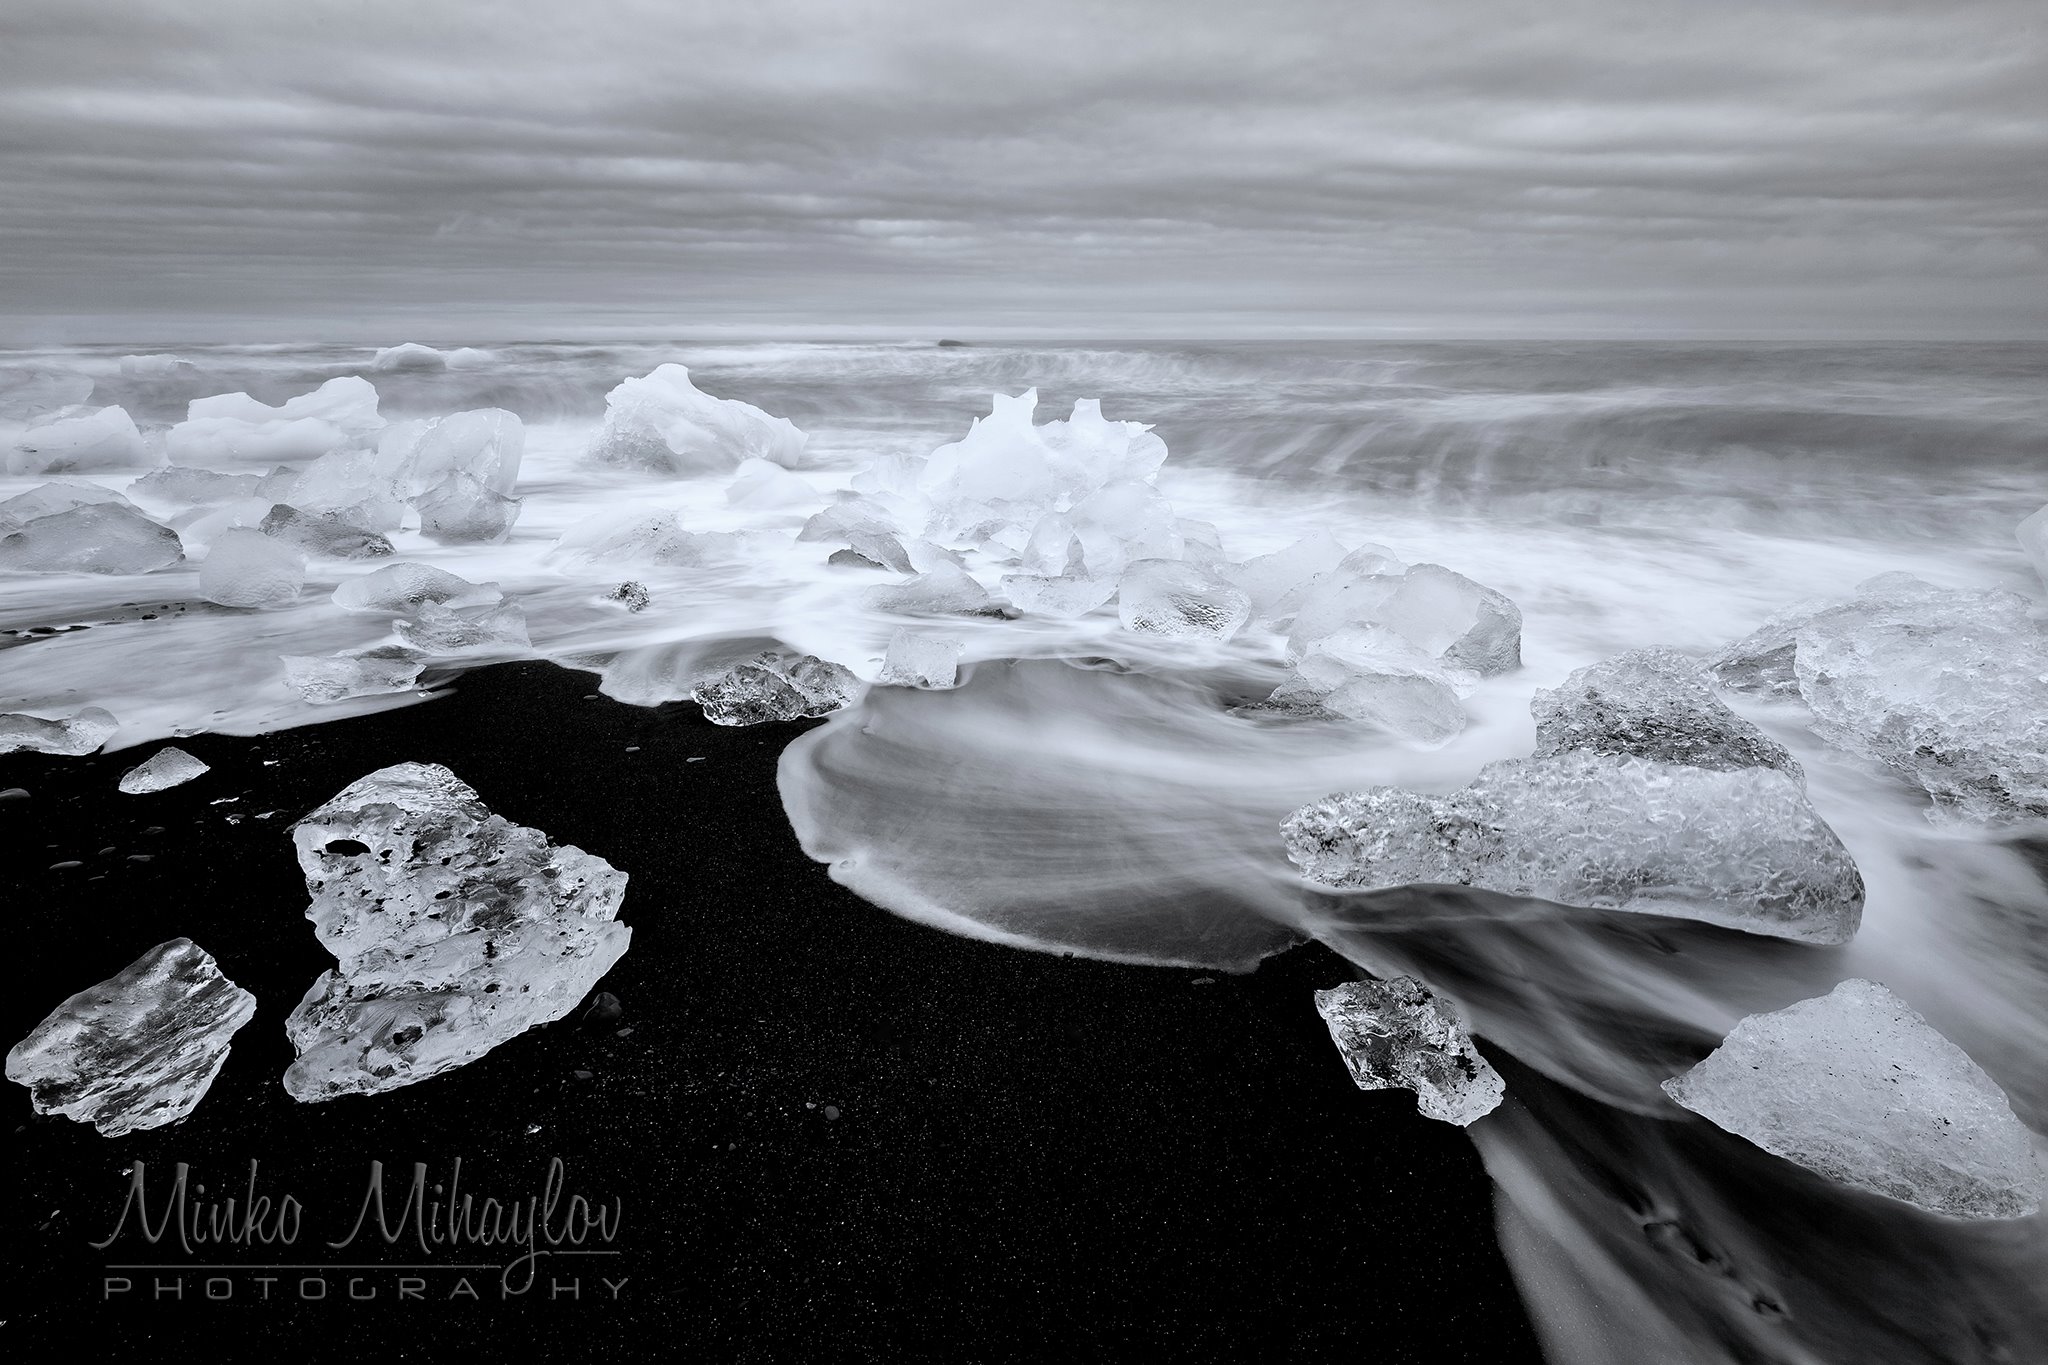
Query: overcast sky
{"x": 305, "y": 168}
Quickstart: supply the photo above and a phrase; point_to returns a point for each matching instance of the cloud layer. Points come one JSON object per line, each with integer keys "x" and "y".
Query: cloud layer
{"x": 1175, "y": 167}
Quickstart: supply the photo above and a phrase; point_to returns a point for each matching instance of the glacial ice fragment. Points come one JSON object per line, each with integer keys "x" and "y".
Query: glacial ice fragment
{"x": 1058, "y": 595}
{"x": 946, "y": 589}
{"x": 246, "y": 568}
{"x": 631, "y": 595}
{"x": 1398, "y": 1034}
{"x": 58, "y": 495}
{"x": 759, "y": 483}
{"x": 330, "y": 535}
{"x": 233, "y": 427}
{"x": 353, "y": 673}
{"x": 641, "y": 537}
{"x": 409, "y": 355}
{"x": 462, "y": 511}
{"x": 167, "y": 767}
{"x": 1278, "y": 583}
{"x": 454, "y": 930}
{"x": 103, "y": 537}
{"x": 1741, "y": 848}
{"x": 1854, "y": 1085}
{"x": 406, "y": 586}
{"x": 182, "y": 486}
{"x": 1169, "y": 597}
{"x": 140, "y": 1049}
{"x": 1652, "y": 703}
{"x": 1948, "y": 688}
{"x": 921, "y": 659}
{"x": 1372, "y": 674}
{"x": 436, "y": 629}
{"x": 72, "y": 737}
{"x": 662, "y": 421}
{"x": 772, "y": 686}
{"x": 106, "y": 439}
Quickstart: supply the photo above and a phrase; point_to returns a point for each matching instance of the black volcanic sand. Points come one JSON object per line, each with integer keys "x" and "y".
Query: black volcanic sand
{"x": 1033, "y": 1157}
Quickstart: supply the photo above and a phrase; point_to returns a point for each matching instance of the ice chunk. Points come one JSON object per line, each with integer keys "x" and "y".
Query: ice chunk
{"x": 772, "y": 686}
{"x": 246, "y": 568}
{"x": 235, "y": 427}
{"x": 661, "y": 421}
{"x": 759, "y": 484}
{"x": 1738, "y": 848}
{"x": 1652, "y": 703}
{"x": 1466, "y": 625}
{"x": 462, "y": 511}
{"x": 1278, "y": 583}
{"x": 104, "y": 537}
{"x": 330, "y": 535}
{"x": 630, "y": 595}
{"x": 106, "y": 439}
{"x": 409, "y": 355}
{"x": 158, "y": 365}
{"x": 919, "y": 658}
{"x": 447, "y": 630}
{"x": 406, "y": 586}
{"x": 641, "y": 537}
{"x": 167, "y": 767}
{"x": 353, "y": 673}
{"x": 1949, "y": 688}
{"x": 180, "y": 486}
{"x": 945, "y": 589}
{"x": 1373, "y": 674}
{"x": 140, "y": 1049}
{"x": 1399, "y": 1035}
{"x": 77, "y": 735}
{"x": 1168, "y": 597}
{"x": 2033, "y": 537}
{"x": 59, "y": 495}
{"x": 27, "y": 394}
{"x": 1058, "y": 595}
{"x": 1855, "y": 1086}
{"x": 453, "y": 930}
{"x": 848, "y": 517}
{"x": 486, "y": 444}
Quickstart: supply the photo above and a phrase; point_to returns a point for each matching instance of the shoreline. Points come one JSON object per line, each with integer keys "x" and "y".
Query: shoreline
{"x": 1032, "y": 1155}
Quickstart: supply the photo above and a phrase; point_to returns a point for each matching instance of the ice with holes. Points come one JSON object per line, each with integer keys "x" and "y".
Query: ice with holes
{"x": 1856, "y": 1086}
{"x": 1400, "y": 1035}
{"x": 453, "y": 929}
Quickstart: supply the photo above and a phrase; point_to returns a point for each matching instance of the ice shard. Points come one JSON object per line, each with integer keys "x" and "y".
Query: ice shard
{"x": 454, "y": 930}
{"x": 1741, "y": 848}
{"x": 772, "y": 686}
{"x": 140, "y": 1049}
{"x": 167, "y": 767}
{"x": 1398, "y": 1034}
{"x": 1854, "y": 1085}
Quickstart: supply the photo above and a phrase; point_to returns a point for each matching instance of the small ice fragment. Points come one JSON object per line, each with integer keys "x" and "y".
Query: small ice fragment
{"x": 1398, "y": 1034}
{"x": 946, "y": 589}
{"x": 406, "y": 586}
{"x": 1742, "y": 849}
{"x": 140, "y": 1049}
{"x": 641, "y": 537}
{"x": 772, "y": 686}
{"x": 74, "y": 737}
{"x": 181, "y": 486}
{"x": 331, "y": 535}
{"x": 1169, "y": 597}
{"x": 1652, "y": 703}
{"x": 357, "y": 673}
{"x": 436, "y": 629}
{"x": 921, "y": 659}
{"x": 453, "y": 929}
{"x": 103, "y": 537}
{"x": 1854, "y": 1085}
{"x": 662, "y": 421}
{"x": 409, "y": 355}
{"x": 463, "y": 511}
{"x": 246, "y": 568}
{"x": 630, "y": 595}
{"x": 1061, "y": 596}
{"x": 167, "y": 767}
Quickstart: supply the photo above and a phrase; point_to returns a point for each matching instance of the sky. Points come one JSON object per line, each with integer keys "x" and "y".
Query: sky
{"x": 370, "y": 170}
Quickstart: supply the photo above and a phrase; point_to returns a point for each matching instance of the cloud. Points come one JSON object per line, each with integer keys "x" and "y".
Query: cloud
{"x": 1144, "y": 167}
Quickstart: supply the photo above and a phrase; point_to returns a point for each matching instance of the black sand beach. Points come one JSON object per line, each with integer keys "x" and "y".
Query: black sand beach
{"x": 1032, "y": 1157}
